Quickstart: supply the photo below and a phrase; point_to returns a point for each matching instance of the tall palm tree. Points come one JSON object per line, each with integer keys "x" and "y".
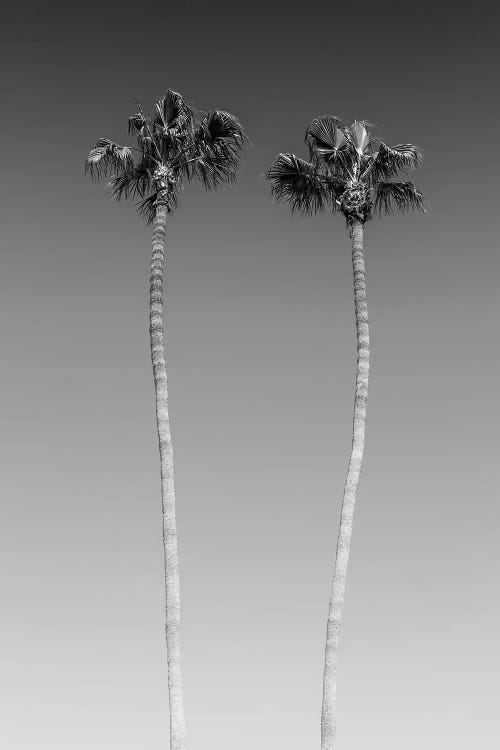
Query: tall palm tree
{"x": 174, "y": 145}
{"x": 351, "y": 173}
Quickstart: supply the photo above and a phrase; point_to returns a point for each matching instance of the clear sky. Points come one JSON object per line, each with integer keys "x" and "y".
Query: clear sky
{"x": 261, "y": 365}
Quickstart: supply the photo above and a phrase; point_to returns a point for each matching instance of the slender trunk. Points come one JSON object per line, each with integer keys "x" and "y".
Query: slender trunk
{"x": 328, "y": 714}
{"x": 177, "y": 723}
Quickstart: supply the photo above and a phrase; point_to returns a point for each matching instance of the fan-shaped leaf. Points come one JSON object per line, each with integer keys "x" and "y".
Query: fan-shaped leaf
{"x": 299, "y": 183}
{"x": 326, "y": 134}
{"x": 174, "y": 111}
{"x": 392, "y": 160}
{"x": 325, "y": 137}
{"x": 217, "y": 142}
{"x": 107, "y": 158}
{"x": 360, "y": 135}
{"x": 398, "y": 196}
{"x": 134, "y": 183}
{"x": 219, "y": 124}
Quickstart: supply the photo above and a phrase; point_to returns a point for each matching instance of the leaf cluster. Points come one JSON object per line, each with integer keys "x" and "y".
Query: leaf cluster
{"x": 346, "y": 160}
{"x": 203, "y": 146}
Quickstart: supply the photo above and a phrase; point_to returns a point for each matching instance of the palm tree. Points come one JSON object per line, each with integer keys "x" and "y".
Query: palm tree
{"x": 351, "y": 173}
{"x": 173, "y": 146}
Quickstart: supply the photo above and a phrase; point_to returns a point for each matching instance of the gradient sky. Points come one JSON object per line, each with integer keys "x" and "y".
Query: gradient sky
{"x": 261, "y": 365}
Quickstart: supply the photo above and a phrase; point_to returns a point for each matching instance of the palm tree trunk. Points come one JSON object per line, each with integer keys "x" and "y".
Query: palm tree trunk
{"x": 177, "y": 722}
{"x": 328, "y": 714}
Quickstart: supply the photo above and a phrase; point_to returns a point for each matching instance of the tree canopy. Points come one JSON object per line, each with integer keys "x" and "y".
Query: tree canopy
{"x": 349, "y": 170}
{"x": 177, "y": 143}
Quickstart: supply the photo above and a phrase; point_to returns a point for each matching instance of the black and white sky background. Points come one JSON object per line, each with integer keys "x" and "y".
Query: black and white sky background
{"x": 261, "y": 364}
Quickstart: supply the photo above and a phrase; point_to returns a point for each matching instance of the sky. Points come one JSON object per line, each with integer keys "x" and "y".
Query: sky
{"x": 261, "y": 357}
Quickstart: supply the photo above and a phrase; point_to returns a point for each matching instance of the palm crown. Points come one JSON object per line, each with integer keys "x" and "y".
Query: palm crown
{"x": 349, "y": 171}
{"x": 174, "y": 145}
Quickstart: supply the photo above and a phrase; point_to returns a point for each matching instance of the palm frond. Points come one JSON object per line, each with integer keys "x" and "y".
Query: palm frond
{"x": 219, "y": 125}
{"x": 106, "y": 158}
{"x": 147, "y": 208}
{"x": 325, "y": 136}
{"x": 173, "y": 126}
{"x": 390, "y": 161}
{"x": 173, "y": 112}
{"x": 360, "y": 135}
{"x": 213, "y": 171}
{"x": 120, "y": 186}
{"x": 134, "y": 183}
{"x": 218, "y": 141}
{"x": 398, "y": 196}
{"x": 330, "y": 144}
{"x": 298, "y": 183}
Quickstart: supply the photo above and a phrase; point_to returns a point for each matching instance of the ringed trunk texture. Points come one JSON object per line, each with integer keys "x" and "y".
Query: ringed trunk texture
{"x": 329, "y": 712}
{"x": 177, "y": 722}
